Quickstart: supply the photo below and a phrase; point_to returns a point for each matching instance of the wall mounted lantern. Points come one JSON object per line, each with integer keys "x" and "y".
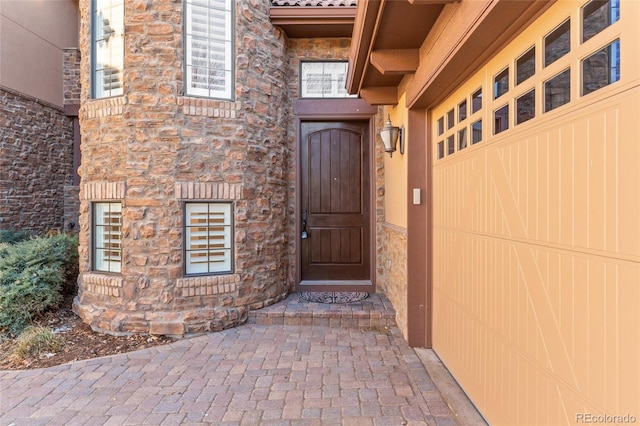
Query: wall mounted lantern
{"x": 390, "y": 134}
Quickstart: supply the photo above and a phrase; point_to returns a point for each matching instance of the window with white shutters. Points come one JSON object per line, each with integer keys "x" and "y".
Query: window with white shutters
{"x": 209, "y": 48}
{"x": 107, "y": 237}
{"x": 107, "y": 37}
{"x": 208, "y": 238}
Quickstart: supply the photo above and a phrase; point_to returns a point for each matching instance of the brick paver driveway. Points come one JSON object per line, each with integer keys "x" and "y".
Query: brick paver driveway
{"x": 250, "y": 375}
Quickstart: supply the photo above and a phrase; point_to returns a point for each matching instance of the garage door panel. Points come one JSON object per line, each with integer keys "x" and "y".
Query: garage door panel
{"x": 628, "y": 178}
{"x": 538, "y": 335}
{"x": 573, "y": 197}
{"x": 628, "y": 298}
{"x": 536, "y": 233}
{"x": 598, "y": 145}
{"x": 541, "y": 305}
{"x": 612, "y": 183}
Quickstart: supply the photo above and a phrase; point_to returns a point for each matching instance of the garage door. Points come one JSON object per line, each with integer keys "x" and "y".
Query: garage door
{"x": 536, "y": 221}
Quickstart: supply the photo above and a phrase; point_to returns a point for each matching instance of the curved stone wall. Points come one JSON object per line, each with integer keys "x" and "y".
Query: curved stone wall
{"x": 152, "y": 149}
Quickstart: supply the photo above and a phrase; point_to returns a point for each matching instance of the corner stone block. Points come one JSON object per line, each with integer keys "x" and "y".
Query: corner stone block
{"x": 170, "y": 328}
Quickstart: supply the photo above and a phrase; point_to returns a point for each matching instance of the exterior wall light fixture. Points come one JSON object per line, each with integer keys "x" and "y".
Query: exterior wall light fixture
{"x": 390, "y": 135}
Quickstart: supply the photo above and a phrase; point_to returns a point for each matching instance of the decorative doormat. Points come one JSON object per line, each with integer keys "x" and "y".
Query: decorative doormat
{"x": 333, "y": 296}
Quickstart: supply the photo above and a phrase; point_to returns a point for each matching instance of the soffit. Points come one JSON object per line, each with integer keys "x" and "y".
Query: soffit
{"x": 389, "y": 34}
{"x": 311, "y": 19}
{"x": 386, "y": 42}
{"x": 403, "y": 27}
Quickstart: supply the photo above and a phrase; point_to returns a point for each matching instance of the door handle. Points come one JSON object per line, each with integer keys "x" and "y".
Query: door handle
{"x": 304, "y": 235}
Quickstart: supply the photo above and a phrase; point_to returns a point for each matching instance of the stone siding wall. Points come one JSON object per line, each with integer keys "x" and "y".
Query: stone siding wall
{"x": 392, "y": 279}
{"x": 155, "y": 144}
{"x": 36, "y": 142}
{"x": 71, "y": 89}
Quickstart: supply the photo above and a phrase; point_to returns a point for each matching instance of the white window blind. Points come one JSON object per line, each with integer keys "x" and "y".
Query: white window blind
{"x": 108, "y": 47}
{"x": 323, "y": 80}
{"x": 209, "y": 48}
{"x": 208, "y": 238}
{"x": 107, "y": 237}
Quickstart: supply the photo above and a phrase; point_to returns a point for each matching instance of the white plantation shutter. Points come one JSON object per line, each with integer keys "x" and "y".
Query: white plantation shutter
{"x": 208, "y": 238}
{"x": 107, "y": 244}
{"x": 108, "y": 48}
{"x": 209, "y": 46}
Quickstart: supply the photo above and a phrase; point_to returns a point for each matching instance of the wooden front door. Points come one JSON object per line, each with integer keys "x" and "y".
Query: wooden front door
{"x": 335, "y": 203}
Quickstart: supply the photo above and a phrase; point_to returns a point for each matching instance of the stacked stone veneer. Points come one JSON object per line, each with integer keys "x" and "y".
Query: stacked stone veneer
{"x": 154, "y": 148}
{"x": 71, "y": 88}
{"x": 392, "y": 278}
{"x": 36, "y": 142}
{"x": 71, "y": 96}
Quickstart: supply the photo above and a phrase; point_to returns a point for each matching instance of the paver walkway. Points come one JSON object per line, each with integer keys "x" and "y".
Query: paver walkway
{"x": 250, "y": 375}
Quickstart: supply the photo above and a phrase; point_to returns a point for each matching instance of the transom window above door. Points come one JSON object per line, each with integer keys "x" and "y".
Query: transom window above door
{"x": 323, "y": 80}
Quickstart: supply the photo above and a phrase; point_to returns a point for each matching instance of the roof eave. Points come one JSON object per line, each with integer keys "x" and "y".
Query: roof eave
{"x": 311, "y": 22}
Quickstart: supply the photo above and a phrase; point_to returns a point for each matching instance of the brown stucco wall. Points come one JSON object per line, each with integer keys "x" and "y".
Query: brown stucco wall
{"x": 32, "y": 38}
{"x": 36, "y": 142}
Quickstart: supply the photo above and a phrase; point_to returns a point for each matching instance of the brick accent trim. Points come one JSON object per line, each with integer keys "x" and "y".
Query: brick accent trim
{"x": 104, "y": 107}
{"x": 103, "y": 191}
{"x": 207, "y": 286}
{"x": 208, "y": 191}
{"x": 208, "y": 107}
{"x": 103, "y": 284}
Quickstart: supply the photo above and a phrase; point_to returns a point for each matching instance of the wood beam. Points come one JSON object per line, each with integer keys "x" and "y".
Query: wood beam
{"x": 380, "y": 95}
{"x": 295, "y": 14}
{"x": 436, "y": 2}
{"x": 395, "y": 61}
{"x": 364, "y": 29}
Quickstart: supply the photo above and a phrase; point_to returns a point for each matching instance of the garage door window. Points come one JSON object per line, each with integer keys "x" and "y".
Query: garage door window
{"x": 526, "y": 66}
{"x": 601, "y": 68}
{"x": 557, "y": 91}
{"x": 501, "y": 119}
{"x": 598, "y": 15}
{"x": 557, "y": 43}
{"x": 526, "y": 107}
{"x": 501, "y": 83}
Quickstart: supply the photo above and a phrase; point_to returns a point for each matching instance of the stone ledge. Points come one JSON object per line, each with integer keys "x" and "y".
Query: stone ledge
{"x": 200, "y": 320}
{"x": 195, "y": 320}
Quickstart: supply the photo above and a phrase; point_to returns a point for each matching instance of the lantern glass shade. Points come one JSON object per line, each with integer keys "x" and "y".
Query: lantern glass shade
{"x": 389, "y": 135}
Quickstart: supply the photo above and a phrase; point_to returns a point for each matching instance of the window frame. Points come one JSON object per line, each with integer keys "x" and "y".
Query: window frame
{"x": 338, "y": 93}
{"x": 231, "y": 248}
{"x": 117, "y": 32}
{"x": 94, "y": 239}
{"x": 613, "y": 53}
{"x": 228, "y": 93}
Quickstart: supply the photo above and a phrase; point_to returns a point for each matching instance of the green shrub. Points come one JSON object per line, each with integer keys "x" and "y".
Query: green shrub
{"x": 37, "y": 340}
{"x": 12, "y": 237}
{"x": 33, "y": 274}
